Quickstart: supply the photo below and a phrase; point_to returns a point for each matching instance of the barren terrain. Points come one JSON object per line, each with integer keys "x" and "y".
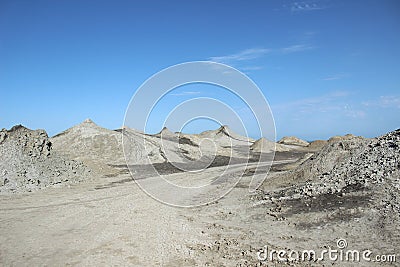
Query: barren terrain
{"x": 307, "y": 202}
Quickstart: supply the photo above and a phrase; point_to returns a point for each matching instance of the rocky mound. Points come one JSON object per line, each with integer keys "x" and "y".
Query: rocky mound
{"x": 97, "y": 147}
{"x": 376, "y": 162}
{"x": 103, "y": 149}
{"x": 358, "y": 192}
{"x": 263, "y": 145}
{"x": 352, "y": 164}
{"x": 369, "y": 175}
{"x": 28, "y": 162}
{"x": 165, "y": 132}
{"x": 222, "y": 141}
{"x": 87, "y": 140}
{"x": 324, "y": 160}
{"x": 292, "y": 140}
{"x": 225, "y": 135}
{"x": 339, "y": 137}
{"x": 317, "y": 145}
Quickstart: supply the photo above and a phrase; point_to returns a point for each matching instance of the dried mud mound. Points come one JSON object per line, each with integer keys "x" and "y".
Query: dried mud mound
{"x": 323, "y": 161}
{"x": 317, "y": 145}
{"x": 376, "y": 163}
{"x": 263, "y": 145}
{"x": 353, "y": 185}
{"x": 369, "y": 165}
{"x": 102, "y": 149}
{"x": 28, "y": 162}
{"x": 224, "y": 136}
{"x": 292, "y": 140}
{"x": 97, "y": 147}
{"x": 90, "y": 143}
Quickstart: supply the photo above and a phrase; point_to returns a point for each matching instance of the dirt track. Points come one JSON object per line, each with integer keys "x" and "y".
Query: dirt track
{"x": 112, "y": 222}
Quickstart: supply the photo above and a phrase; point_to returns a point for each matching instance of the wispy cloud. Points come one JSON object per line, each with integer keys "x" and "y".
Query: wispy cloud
{"x": 350, "y": 112}
{"x": 316, "y": 101}
{"x": 335, "y": 102}
{"x": 296, "y": 48}
{"x": 248, "y": 68}
{"x": 384, "y": 102}
{"x": 248, "y": 54}
{"x": 335, "y": 77}
{"x": 186, "y": 93}
{"x": 304, "y": 6}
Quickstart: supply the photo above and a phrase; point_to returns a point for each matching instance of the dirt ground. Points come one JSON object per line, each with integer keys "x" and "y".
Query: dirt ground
{"x": 111, "y": 221}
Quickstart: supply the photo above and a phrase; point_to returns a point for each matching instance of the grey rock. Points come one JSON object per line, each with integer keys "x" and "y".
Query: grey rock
{"x": 28, "y": 162}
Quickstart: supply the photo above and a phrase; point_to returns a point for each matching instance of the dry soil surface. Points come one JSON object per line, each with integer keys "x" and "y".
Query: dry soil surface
{"x": 111, "y": 221}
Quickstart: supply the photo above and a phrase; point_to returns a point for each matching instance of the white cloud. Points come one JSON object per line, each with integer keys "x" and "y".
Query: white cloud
{"x": 247, "y": 68}
{"x": 332, "y": 78}
{"x": 384, "y": 102}
{"x": 296, "y": 48}
{"x": 243, "y": 59}
{"x": 256, "y": 53}
{"x": 302, "y": 6}
{"x": 248, "y": 54}
{"x": 334, "y": 102}
{"x": 335, "y": 77}
{"x": 355, "y": 113}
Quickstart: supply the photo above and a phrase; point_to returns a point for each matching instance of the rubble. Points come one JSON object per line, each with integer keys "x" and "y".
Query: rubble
{"x": 28, "y": 162}
{"x": 352, "y": 162}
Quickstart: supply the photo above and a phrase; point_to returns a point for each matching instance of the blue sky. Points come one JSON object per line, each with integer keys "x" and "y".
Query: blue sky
{"x": 325, "y": 67}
